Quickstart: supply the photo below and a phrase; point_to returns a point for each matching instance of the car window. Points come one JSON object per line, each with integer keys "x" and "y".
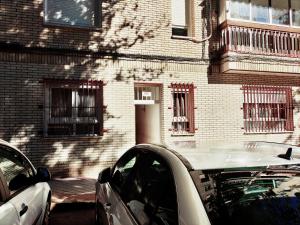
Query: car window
{"x": 16, "y": 169}
{"x": 149, "y": 191}
{"x": 261, "y": 196}
{"x": 123, "y": 170}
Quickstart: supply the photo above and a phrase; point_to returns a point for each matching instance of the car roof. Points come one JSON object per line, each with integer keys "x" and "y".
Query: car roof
{"x": 2, "y": 142}
{"x": 237, "y": 155}
{"x": 5, "y": 143}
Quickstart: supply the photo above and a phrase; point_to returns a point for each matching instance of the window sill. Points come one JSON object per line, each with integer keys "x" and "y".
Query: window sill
{"x": 177, "y": 37}
{"x": 177, "y": 134}
{"x": 70, "y": 27}
{"x": 51, "y": 137}
{"x": 279, "y": 132}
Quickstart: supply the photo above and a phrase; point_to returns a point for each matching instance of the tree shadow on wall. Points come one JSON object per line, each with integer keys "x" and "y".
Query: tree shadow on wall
{"x": 71, "y": 54}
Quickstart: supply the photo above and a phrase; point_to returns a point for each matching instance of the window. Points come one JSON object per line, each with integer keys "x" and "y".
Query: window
{"x": 15, "y": 168}
{"x": 180, "y": 17}
{"x": 147, "y": 188}
{"x": 73, "y": 107}
{"x": 250, "y": 195}
{"x": 240, "y": 9}
{"x": 280, "y": 12}
{"x": 183, "y": 108}
{"x": 295, "y": 5}
{"x": 260, "y": 11}
{"x": 267, "y": 109}
{"x": 124, "y": 170}
{"x": 80, "y": 13}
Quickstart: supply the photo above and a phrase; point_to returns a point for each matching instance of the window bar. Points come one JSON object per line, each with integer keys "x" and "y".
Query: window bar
{"x": 274, "y": 100}
{"x": 246, "y": 96}
{"x": 279, "y": 105}
{"x": 192, "y": 91}
{"x": 271, "y": 95}
{"x": 254, "y": 111}
{"x": 49, "y": 108}
{"x": 244, "y": 109}
{"x": 285, "y": 109}
{"x": 281, "y": 108}
{"x": 276, "y": 107}
{"x": 179, "y": 107}
{"x": 249, "y": 110}
{"x": 256, "y": 95}
{"x": 268, "y": 108}
{"x": 186, "y": 109}
{"x": 261, "y": 109}
{"x": 265, "y": 103}
{"x": 290, "y": 110}
{"x": 74, "y": 109}
{"x": 249, "y": 95}
{"x": 277, "y": 90}
{"x": 86, "y": 106}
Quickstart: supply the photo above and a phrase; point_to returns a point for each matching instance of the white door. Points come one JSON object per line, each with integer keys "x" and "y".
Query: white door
{"x": 147, "y": 123}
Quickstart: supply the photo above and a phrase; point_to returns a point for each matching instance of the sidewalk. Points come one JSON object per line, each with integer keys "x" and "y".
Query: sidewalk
{"x": 71, "y": 190}
{"x": 72, "y": 201}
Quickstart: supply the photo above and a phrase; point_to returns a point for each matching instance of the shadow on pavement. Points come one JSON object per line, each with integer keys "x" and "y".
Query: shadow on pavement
{"x": 78, "y": 213}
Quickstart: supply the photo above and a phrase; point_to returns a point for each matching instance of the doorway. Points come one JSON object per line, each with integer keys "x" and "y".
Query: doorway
{"x": 147, "y": 113}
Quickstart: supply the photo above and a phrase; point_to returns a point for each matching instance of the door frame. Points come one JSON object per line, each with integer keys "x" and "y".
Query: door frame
{"x": 160, "y": 102}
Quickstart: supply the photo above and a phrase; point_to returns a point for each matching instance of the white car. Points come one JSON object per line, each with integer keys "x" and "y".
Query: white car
{"x": 25, "y": 196}
{"x": 249, "y": 183}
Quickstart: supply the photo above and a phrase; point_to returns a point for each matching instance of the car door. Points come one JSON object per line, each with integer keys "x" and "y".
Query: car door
{"x": 144, "y": 191}
{"x": 24, "y": 195}
{"x": 155, "y": 197}
{"x": 8, "y": 213}
{"x": 114, "y": 209}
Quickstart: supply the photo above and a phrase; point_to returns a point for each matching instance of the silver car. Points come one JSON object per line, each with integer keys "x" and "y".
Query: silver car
{"x": 248, "y": 183}
{"x": 25, "y": 196}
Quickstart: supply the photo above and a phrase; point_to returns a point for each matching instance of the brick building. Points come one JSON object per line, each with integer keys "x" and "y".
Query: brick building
{"x": 81, "y": 81}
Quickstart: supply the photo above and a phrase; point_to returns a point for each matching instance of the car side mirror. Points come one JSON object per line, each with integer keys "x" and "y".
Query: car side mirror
{"x": 104, "y": 176}
{"x": 43, "y": 175}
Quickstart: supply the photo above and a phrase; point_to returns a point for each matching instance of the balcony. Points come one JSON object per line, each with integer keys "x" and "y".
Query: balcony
{"x": 262, "y": 40}
{"x": 254, "y": 48}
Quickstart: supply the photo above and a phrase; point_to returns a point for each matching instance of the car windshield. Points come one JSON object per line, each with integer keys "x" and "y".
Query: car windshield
{"x": 260, "y": 196}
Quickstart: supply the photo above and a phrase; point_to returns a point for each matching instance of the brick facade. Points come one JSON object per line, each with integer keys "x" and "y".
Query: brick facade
{"x": 134, "y": 44}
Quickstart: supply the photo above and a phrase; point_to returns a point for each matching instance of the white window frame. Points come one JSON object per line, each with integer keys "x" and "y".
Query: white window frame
{"x": 228, "y": 15}
{"x": 189, "y": 14}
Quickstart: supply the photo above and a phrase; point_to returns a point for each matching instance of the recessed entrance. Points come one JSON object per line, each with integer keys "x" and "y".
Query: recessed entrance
{"x": 147, "y": 113}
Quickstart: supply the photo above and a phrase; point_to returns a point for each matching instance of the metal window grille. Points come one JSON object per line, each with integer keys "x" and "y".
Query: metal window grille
{"x": 267, "y": 109}
{"x": 73, "y": 107}
{"x": 183, "y": 107}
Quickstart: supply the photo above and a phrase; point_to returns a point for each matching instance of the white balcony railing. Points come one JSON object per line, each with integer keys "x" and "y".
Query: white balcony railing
{"x": 245, "y": 39}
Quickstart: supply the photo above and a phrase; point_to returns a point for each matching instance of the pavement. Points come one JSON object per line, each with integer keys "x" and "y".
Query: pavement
{"x": 73, "y": 201}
